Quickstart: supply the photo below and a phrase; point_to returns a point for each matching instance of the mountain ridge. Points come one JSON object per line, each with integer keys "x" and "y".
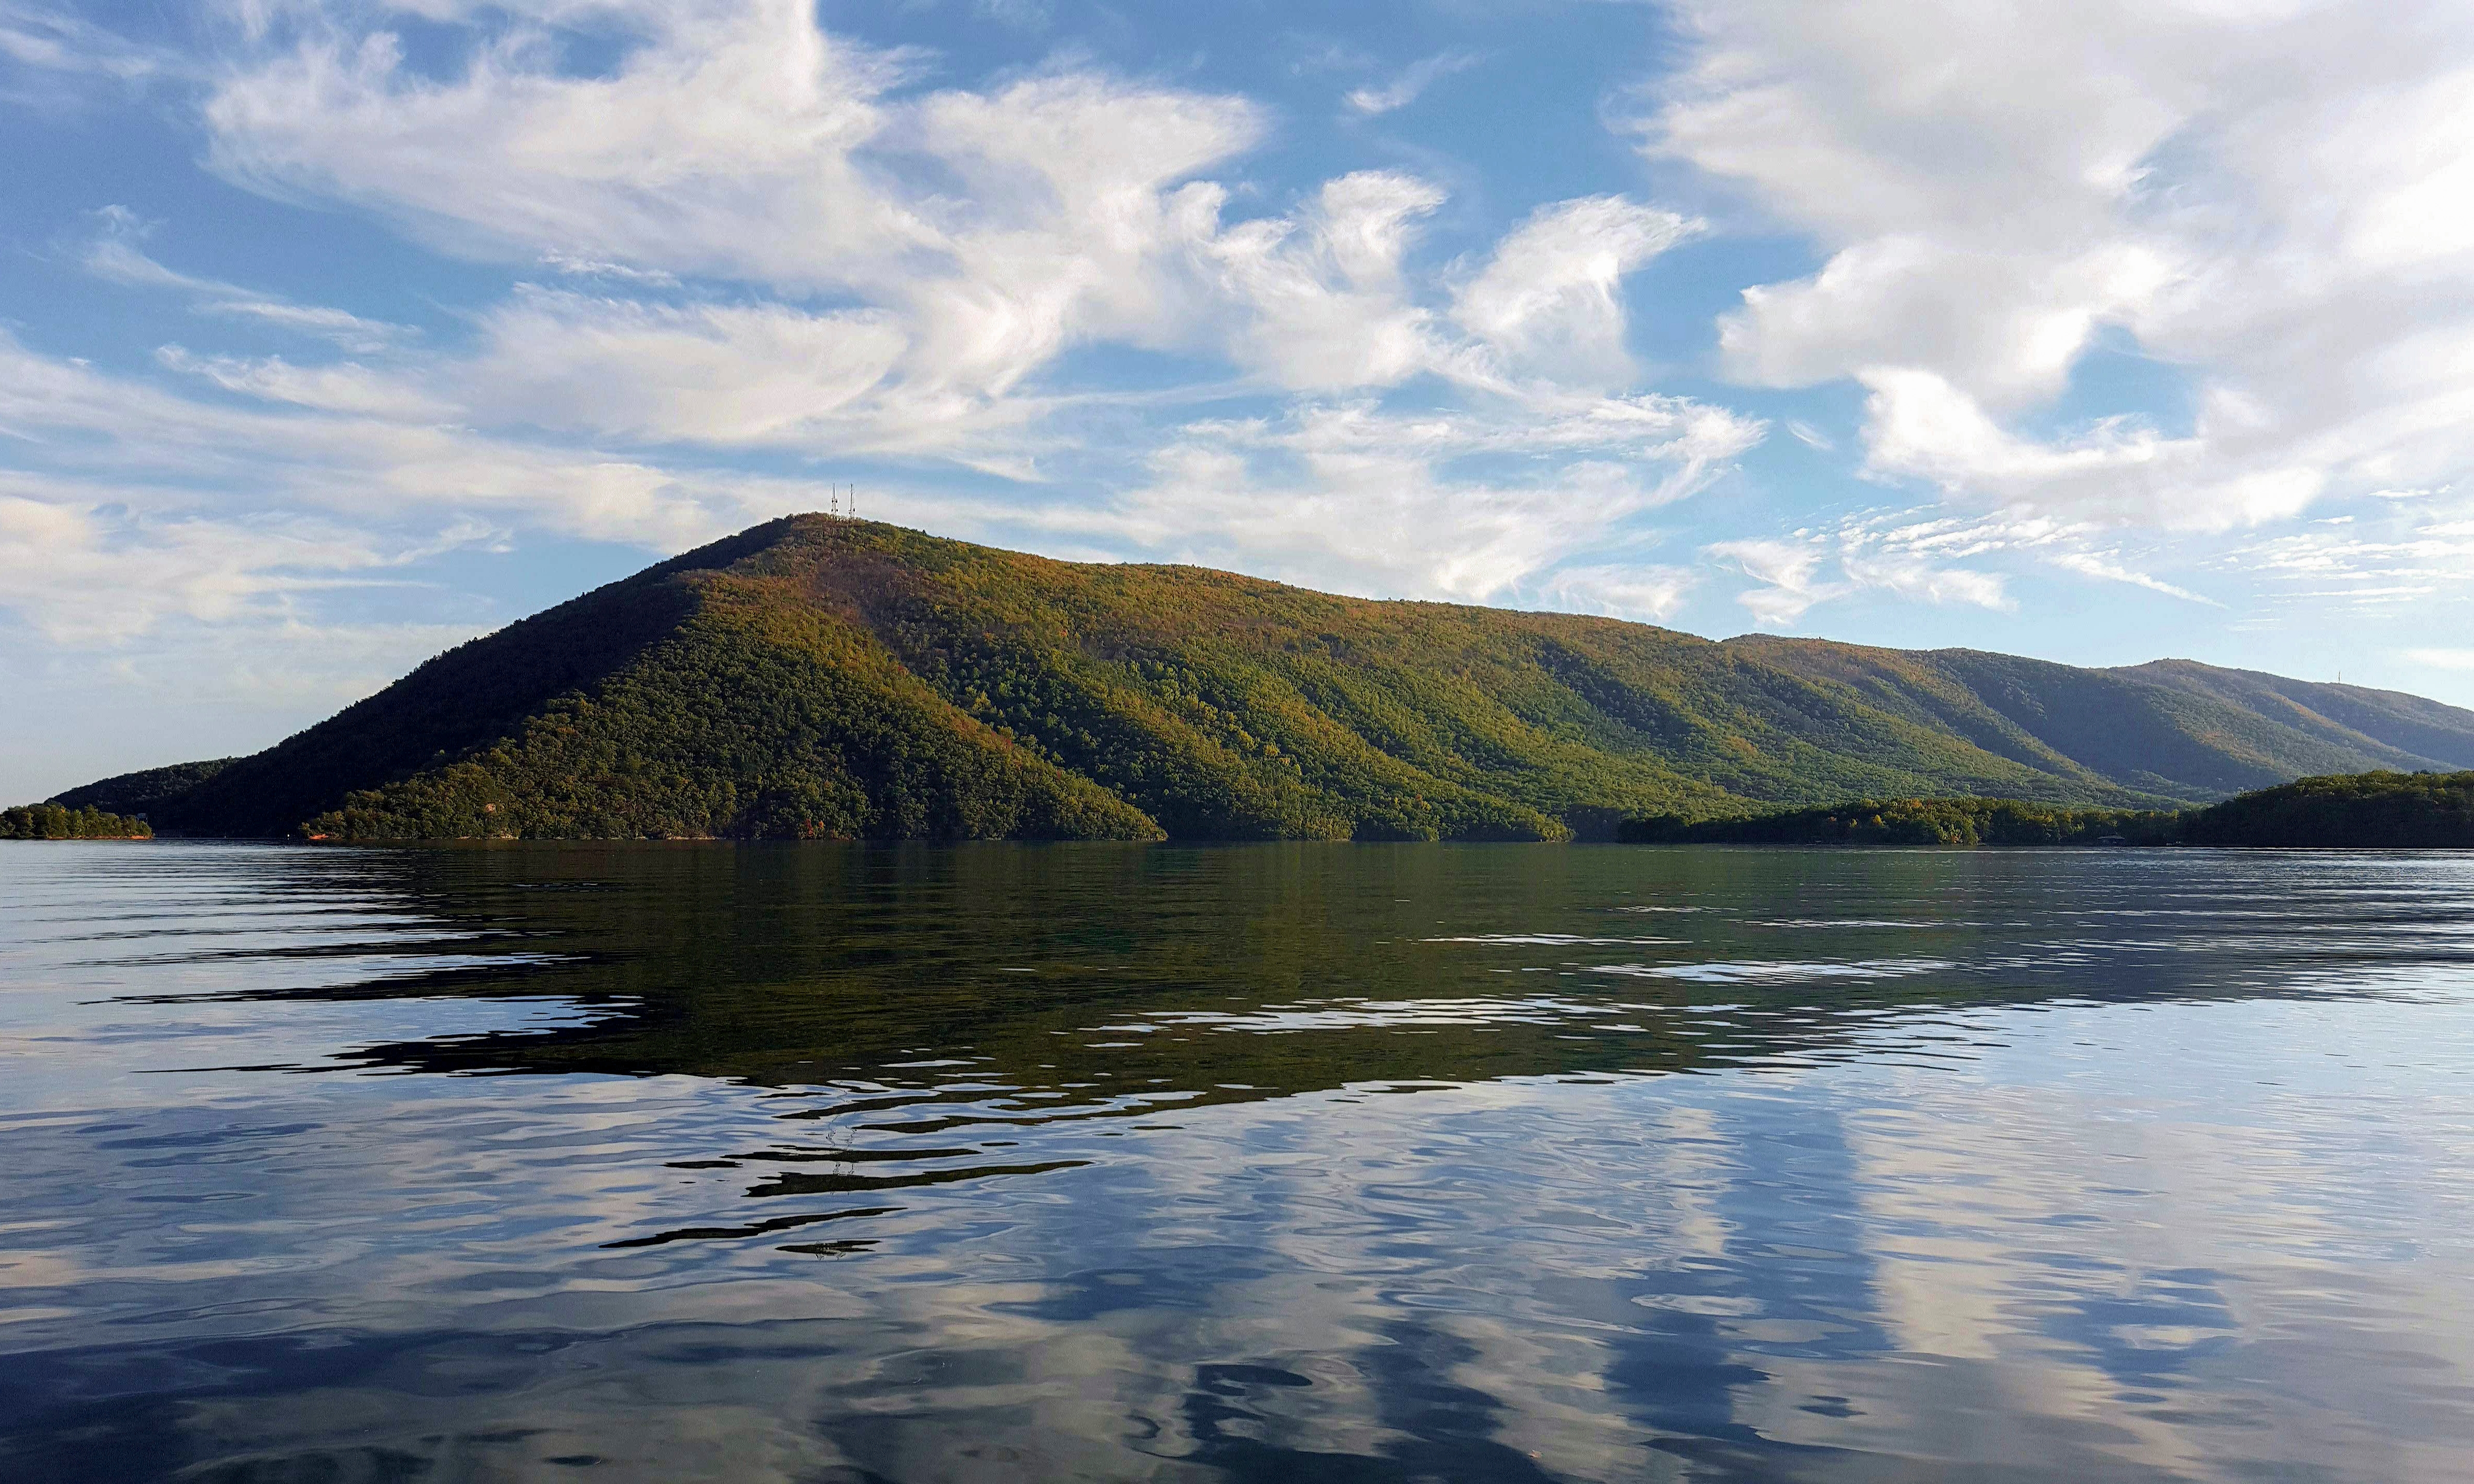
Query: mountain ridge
{"x": 820, "y": 676}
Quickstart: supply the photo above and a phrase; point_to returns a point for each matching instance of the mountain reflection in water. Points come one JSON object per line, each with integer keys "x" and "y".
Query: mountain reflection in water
{"x": 1296, "y": 1163}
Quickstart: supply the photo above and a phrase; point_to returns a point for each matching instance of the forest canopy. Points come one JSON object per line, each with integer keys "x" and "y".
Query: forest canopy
{"x": 2374, "y": 810}
{"x": 58, "y": 821}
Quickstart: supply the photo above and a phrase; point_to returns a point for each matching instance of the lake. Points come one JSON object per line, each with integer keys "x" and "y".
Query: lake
{"x": 1362, "y": 1163}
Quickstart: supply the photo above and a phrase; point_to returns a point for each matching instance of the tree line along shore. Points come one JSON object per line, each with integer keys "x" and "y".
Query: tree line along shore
{"x": 2350, "y": 810}
{"x": 57, "y": 821}
{"x": 2358, "y": 811}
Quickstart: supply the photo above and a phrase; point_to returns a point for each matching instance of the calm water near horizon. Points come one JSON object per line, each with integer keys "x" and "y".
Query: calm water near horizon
{"x": 1351, "y": 1164}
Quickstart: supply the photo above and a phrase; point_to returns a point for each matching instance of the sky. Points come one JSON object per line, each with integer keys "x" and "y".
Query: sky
{"x": 333, "y": 335}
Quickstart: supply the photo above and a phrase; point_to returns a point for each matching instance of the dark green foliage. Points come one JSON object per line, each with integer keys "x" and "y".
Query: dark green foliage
{"x": 142, "y": 792}
{"x": 56, "y": 821}
{"x": 2395, "y": 810}
{"x": 2378, "y": 809}
{"x": 825, "y": 677}
{"x": 1965, "y": 822}
{"x": 467, "y": 698}
{"x": 756, "y": 719}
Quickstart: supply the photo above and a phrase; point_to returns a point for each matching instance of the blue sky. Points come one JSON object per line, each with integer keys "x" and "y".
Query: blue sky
{"x": 333, "y": 335}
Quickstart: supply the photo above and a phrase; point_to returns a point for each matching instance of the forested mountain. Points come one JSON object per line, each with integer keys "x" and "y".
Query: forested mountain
{"x": 817, "y": 676}
{"x": 145, "y": 791}
{"x": 2344, "y": 713}
{"x": 2171, "y": 728}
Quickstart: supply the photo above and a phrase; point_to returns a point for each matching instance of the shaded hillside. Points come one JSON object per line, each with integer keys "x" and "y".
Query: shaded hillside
{"x": 2349, "y": 715}
{"x": 142, "y": 791}
{"x": 825, "y": 677}
{"x": 2173, "y": 739}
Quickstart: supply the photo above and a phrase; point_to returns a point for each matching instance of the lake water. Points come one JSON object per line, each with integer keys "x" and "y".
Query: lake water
{"x": 1288, "y": 1163}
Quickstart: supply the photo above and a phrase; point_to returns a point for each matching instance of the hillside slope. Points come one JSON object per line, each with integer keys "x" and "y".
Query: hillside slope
{"x": 2175, "y": 739}
{"x": 827, "y": 677}
{"x": 144, "y": 791}
{"x": 2349, "y": 715}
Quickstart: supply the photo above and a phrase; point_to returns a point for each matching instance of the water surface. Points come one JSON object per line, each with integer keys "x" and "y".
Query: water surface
{"x": 1288, "y": 1162}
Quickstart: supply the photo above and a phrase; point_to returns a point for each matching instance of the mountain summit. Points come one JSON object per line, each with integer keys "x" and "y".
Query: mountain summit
{"x": 822, "y": 678}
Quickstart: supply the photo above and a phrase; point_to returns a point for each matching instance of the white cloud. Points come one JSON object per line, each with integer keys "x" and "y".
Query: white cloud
{"x": 1547, "y": 302}
{"x": 168, "y": 457}
{"x": 2394, "y": 565}
{"x": 1909, "y": 577}
{"x": 2090, "y": 564}
{"x": 574, "y": 267}
{"x": 2081, "y": 548}
{"x": 1351, "y": 497}
{"x": 735, "y": 141}
{"x": 742, "y": 142}
{"x": 1073, "y": 224}
{"x": 83, "y": 577}
{"x": 1788, "y": 573}
{"x": 114, "y": 255}
{"x": 715, "y": 373}
{"x": 1919, "y": 426}
{"x": 344, "y": 387}
{"x": 43, "y": 41}
{"x": 1412, "y": 80}
{"x": 2006, "y": 329}
{"x": 2295, "y": 241}
{"x": 2442, "y": 659}
{"x": 1323, "y": 299}
{"x": 1647, "y": 593}
{"x": 1876, "y": 553}
{"x": 723, "y": 143}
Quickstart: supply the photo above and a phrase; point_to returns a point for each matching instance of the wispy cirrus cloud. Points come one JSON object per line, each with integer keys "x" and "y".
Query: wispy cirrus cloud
{"x": 1408, "y": 82}
{"x": 1968, "y": 561}
{"x": 114, "y": 254}
{"x": 38, "y": 40}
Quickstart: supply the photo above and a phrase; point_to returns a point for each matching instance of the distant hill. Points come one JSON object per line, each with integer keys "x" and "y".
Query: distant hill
{"x": 817, "y": 676}
{"x": 2353, "y": 810}
{"x": 2349, "y": 715}
{"x": 2171, "y": 728}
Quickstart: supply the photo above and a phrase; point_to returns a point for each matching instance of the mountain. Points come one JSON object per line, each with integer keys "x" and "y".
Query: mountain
{"x": 2351, "y": 715}
{"x": 819, "y": 676}
{"x": 145, "y": 791}
{"x": 2171, "y": 728}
